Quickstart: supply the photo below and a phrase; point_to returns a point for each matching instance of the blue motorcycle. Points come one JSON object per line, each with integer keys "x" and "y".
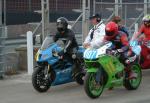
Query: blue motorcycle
{"x": 52, "y": 69}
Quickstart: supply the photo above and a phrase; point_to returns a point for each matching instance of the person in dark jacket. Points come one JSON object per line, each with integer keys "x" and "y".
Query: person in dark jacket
{"x": 69, "y": 40}
{"x": 64, "y": 33}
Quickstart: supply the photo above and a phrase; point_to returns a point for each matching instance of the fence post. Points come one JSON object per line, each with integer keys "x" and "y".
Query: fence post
{"x": 125, "y": 18}
{"x": 116, "y": 7}
{"x": 145, "y": 6}
{"x": 94, "y": 4}
{"x": 30, "y": 4}
{"x": 45, "y": 18}
{"x": 5, "y": 14}
{"x": 0, "y": 12}
{"x": 136, "y": 27}
{"x": 121, "y": 4}
{"x": 85, "y": 17}
{"x": 30, "y": 52}
{"x": 148, "y": 4}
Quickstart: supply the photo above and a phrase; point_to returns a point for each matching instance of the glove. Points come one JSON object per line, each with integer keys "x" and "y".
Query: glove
{"x": 61, "y": 53}
{"x": 108, "y": 51}
{"x": 120, "y": 50}
{"x": 114, "y": 52}
{"x": 65, "y": 50}
{"x": 111, "y": 52}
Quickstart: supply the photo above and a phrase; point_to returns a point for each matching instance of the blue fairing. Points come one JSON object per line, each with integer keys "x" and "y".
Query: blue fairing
{"x": 136, "y": 48}
{"x": 134, "y": 43}
{"x": 46, "y": 55}
{"x": 81, "y": 49}
{"x": 63, "y": 73}
{"x": 63, "y": 76}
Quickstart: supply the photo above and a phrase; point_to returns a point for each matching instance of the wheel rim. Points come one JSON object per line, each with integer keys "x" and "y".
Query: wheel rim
{"x": 136, "y": 81}
{"x": 41, "y": 80}
{"x": 95, "y": 88}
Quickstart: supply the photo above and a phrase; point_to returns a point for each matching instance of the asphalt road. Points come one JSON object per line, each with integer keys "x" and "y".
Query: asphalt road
{"x": 19, "y": 89}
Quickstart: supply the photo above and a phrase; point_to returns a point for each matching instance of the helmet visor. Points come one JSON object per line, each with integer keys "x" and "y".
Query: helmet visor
{"x": 60, "y": 25}
{"x": 147, "y": 23}
{"x": 109, "y": 33}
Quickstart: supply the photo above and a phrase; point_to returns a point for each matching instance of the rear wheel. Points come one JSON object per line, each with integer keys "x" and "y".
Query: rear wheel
{"x": 41, "y": 80}
{"x": 79, "y": 71}
{"x": 1, "y": 77}
{"x": 93, "y": 88}
{"x": 133, "y": 84}
{"x": 79, "y": 78}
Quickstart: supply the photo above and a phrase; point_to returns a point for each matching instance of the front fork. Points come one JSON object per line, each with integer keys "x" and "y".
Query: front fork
{"x": 46, "y": 71}
{"x": 98, "y": 73}
{"x": 92, "y": 70}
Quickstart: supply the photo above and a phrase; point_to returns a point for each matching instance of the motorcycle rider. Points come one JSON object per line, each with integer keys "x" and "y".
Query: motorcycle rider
{"x": 70, "y": 44}
{"x": 96, "y": 34}
{"x": 117, "y": 20}
{"x": 144, "y": 29}
{"x": 120, "y": 45}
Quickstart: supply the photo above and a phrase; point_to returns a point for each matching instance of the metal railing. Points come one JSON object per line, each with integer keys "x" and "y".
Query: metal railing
{"x": 140, "y": 16}
{"x": 130, "y": 12}
{"x": 2, "y": 43}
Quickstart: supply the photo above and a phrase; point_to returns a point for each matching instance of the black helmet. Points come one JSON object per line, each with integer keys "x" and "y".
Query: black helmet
{"x": 62, "y": 24}
{"x": 97, "y": 16}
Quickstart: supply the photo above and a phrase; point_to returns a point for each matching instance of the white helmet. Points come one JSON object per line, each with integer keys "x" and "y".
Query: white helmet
{"x": 146, "y": 18}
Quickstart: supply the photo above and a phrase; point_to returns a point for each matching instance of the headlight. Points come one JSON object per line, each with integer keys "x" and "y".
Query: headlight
{"x": 37, "y": 56}
{"x": 74, "y": 56}
{"x": 55, "y": 53}
{"x": 44, "y": 56}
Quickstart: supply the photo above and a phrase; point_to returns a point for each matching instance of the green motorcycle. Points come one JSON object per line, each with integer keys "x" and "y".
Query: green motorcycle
{"x": 106, "y": 71}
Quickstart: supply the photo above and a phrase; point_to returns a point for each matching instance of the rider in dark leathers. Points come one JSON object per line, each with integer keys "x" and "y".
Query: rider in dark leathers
{"x": 70, "y": 42}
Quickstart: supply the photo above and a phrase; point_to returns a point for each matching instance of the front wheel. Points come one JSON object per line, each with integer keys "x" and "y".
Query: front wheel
{"x": 93, "y": 88}
{"x": 133, "y": 84}
{"x": 40, "y": 80}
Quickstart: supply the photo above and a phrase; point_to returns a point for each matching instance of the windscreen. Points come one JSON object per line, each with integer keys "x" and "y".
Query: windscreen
{"x": 47, "y": 42}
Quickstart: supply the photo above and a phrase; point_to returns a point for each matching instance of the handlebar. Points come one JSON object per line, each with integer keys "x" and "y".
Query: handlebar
{"x": 112, "y": 52}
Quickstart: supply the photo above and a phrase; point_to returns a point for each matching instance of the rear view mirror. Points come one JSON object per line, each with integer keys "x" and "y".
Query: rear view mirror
{"x": 38, "y": 39}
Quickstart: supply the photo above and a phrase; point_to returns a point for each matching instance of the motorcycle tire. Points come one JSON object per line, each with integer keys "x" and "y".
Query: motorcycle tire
{"x": 133, "y": 84}
{"x": 88, "y": 86}
{"x": 38, "y": 87}
{"x": 79, "y": 78}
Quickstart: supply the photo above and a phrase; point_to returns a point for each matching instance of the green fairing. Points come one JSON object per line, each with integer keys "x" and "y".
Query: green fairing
{"x": 92, "y": 70}
{"x": 111, "y": 65}
{"x": 112, "y": 68}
